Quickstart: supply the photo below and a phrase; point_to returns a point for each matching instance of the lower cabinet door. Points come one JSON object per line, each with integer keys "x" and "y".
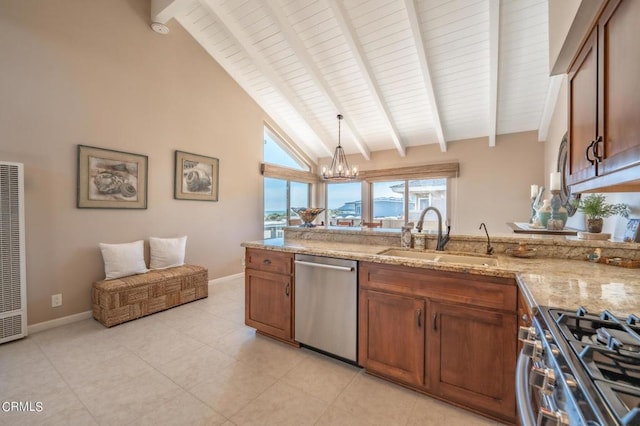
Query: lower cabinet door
{"x": 472, "y": 358}
{"x": 392, "y": 336}
{"x": 268, "y": 303}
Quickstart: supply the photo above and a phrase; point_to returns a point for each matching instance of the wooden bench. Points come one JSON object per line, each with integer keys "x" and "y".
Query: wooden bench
{"x": 127, "y": 298}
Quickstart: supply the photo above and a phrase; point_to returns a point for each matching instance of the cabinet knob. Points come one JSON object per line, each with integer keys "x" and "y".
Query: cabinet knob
{"x": 286, "y": 290}
{"x": 267, "y": 261}
{"x": 419, "y": 317}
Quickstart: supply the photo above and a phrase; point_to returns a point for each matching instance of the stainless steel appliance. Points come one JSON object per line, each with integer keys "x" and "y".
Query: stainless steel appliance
{"x": 577, "y": 368}
{"x": 326, "y": 296}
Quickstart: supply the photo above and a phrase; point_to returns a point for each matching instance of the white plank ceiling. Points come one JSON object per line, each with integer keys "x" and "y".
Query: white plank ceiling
{"x": 402, "y": 72}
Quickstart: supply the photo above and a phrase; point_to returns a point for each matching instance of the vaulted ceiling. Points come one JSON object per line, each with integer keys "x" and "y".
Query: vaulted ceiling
{"x": 402, "y": 72}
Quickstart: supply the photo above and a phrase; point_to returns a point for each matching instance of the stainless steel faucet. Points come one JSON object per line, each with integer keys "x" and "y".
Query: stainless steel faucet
{"x": 442, "y": 239}
{"x": 489, "y": 248}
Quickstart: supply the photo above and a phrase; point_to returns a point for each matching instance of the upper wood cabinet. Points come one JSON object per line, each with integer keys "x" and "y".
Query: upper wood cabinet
{"x": 604, "y": 104}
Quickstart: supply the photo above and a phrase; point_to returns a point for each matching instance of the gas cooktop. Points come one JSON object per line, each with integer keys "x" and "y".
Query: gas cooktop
{"x": 608, "y": 349}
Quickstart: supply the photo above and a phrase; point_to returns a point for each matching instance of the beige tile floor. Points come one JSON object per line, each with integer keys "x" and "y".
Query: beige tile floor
{"x": 198, "y": 364}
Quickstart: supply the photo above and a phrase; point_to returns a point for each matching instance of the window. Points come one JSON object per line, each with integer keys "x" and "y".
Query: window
{"x": 425, "y": 193}
{"x": 281, "y": 192}
{"x": 392, "y": 199}
{"x": 388, "y": 203}
{"x": 279, "y": 153}
{"x": 344, "y": 203}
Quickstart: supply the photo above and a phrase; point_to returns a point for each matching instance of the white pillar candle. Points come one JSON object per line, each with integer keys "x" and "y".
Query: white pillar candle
{"x": 555, "y": 181}
{"x": 534, "y": 191}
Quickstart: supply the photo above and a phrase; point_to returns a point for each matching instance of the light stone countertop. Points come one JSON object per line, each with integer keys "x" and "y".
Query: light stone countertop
{"x": 560, "y": 283}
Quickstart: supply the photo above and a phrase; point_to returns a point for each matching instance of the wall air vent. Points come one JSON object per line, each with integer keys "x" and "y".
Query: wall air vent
{"x": 13, "y": 299}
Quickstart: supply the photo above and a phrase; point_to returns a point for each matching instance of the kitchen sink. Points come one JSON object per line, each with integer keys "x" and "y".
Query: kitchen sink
{"x": 422, "y": 255}
{"x": 441, "y": 257}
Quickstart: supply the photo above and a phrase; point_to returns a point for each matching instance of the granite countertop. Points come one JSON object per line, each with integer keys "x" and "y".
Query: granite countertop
{"x": 551, "y": 282}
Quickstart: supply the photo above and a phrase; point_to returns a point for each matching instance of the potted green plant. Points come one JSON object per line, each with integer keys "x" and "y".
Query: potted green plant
{"x": 596, "y": 208}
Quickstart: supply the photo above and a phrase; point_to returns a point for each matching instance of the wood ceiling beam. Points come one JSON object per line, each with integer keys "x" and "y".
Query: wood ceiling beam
{"x": 163, "y": 10}
{"x": 424, "y": 68}
{"x": 308, "y": 63}
{"x": 555, "y": 81}
{"x": 494, "y": 57}
{"x": 365, "y": 70}
{"x": 235, "y": 31}
{"x": 261, "y": 100}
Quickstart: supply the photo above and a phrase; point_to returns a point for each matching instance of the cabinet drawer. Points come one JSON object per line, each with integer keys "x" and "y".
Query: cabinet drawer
{"x": 269, "y": 261}
{"x": 478, "y": 290}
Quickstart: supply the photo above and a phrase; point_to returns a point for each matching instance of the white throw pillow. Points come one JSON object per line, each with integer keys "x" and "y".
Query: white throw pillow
{"x": 167, "y": 252}
{"x": 121, "y": 260}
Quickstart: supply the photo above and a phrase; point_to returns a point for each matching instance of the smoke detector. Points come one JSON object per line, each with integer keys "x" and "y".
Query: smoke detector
{"x": 159, "y": 28}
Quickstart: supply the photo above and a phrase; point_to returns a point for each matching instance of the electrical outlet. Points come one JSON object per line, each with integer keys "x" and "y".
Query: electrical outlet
{"x": 56, "y": 300}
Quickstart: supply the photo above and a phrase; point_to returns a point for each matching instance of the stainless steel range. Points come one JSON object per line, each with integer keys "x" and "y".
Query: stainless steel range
{"x": 577, "y": 368}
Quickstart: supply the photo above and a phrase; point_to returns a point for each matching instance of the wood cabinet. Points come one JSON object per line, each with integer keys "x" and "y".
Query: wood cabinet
{"x": 604, "y": 103}
{"x": 391, "y": 336}
{"x": 269, "y": 287}
{"x": 472, "y": 357}
{"x": 451, "y": 335}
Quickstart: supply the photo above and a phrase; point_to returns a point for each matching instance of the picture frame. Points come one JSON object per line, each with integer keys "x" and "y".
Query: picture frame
{"x": 109, "y": 179}
{"x": 196, "y": 177}
{"x": 632, "y": 234}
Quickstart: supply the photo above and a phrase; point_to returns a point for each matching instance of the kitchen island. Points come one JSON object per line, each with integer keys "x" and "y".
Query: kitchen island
{"x": 447, "y": 329}
{"x": 559, "y": 279}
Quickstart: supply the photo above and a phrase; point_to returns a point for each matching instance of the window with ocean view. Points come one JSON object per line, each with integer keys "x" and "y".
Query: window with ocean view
{"x": 344, "y": 203}
{"x": 280, "y": 194}
{"x": 399, "y": 201}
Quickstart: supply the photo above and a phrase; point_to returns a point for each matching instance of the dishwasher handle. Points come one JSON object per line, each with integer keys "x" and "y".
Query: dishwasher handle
{"x": 322, "y": 265}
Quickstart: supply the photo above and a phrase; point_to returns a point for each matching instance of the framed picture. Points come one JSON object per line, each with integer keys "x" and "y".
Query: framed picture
{"x": 196, "y": 177}
{"x": 632, "y": 234}
{"x": 110, "y": 179}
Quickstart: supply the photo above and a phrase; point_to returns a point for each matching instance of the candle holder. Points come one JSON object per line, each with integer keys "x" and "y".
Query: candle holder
{"x": 556, "y": 222}
{"x": 533, "y": 210}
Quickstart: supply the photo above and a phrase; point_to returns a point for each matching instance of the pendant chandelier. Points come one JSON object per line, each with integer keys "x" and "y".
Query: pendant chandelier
{"x": 339, "y": 169}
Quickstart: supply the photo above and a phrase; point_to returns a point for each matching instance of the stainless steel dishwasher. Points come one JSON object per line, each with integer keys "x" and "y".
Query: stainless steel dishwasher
{"x": 326, "y": 308}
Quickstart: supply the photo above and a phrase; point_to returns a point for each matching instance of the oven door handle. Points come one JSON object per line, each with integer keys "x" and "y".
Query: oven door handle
{"x": 523, "y": 391}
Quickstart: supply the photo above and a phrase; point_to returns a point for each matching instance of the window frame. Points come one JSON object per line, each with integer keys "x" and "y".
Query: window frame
{"x": 429, "y": 171}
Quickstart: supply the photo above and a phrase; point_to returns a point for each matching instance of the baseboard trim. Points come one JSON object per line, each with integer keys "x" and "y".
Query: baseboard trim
{"x": 46, "y": 325}
{"x": 227, "y": 278}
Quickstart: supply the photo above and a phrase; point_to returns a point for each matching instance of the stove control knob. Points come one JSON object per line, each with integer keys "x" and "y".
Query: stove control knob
{"x": 552, "y": 418}
{"x": 570, "y": 381}
{"x": 533, "y": 349}
{"x": 543, "y": 379}
{"x": 526, "y": 333}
